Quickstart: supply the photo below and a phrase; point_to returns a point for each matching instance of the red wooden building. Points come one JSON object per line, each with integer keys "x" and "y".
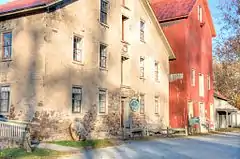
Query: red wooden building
{"x": 189, "y": 29}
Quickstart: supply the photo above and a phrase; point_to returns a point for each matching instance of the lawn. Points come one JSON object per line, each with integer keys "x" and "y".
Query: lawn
{"x": 87, "y": 144}
{"x": 37, "y": 154}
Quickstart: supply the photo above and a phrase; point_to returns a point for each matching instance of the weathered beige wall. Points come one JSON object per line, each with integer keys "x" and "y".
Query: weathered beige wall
{"x": 42, "y": 72}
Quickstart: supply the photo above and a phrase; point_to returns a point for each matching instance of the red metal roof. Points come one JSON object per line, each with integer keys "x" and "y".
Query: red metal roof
{"x": 172, "y": 9}
{"x": 22, "y": 4}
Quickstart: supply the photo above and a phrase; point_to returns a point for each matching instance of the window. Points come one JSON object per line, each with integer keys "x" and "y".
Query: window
{"x": 201, "y": 85}
{"x": 124, "y": 21}
{"x": 141, "y": 67}
{"x": 142, "y": 104}
{"x": 4, "y": 99}
{"x": 104, "y": 10}
{"x": 7, "y": 45}
{"x": 142, "y": 28}
{"x": 157, "y": 71}
{"x": 200, "y": 14}
{"x": 202, "y": 110}
{"x": 157, "y": 105}
{"x": 209, "y": 82}
{"x": 76, "y": 99}
{"x": 102, "y": 101}
{"x": 77, "y": 49}
{"x": 103, "y": 56}
{"x": 193, "y": 75}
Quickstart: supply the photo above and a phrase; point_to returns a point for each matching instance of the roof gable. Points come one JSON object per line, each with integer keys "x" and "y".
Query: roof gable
{"x": 170, "y": 10}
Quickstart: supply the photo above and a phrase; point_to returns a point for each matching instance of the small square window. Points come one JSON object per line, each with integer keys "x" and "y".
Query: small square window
{"x": 76, "y": 99}
{"x": 7, "y": 45}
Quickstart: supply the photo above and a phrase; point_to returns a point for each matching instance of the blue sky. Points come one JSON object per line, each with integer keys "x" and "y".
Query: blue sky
{"x": 213, "y": 6}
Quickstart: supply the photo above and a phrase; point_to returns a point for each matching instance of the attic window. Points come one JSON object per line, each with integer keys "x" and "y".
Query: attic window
{"x": 200, "y": 17}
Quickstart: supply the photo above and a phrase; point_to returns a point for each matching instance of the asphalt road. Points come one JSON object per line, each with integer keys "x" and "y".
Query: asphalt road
{"x": 207, "y": 147}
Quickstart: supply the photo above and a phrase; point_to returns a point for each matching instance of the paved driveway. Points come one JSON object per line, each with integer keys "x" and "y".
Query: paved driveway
{"x": 208, "y": 147}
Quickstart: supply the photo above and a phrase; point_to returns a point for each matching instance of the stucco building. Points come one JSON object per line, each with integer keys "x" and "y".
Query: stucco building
{"x": 189, "y": 29}
{"x": 83, "y": 60}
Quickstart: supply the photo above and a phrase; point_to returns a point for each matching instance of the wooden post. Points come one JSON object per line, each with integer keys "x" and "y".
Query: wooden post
{"x": 186, "y": 131}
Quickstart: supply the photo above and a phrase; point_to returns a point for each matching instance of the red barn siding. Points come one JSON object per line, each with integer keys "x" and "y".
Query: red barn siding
{"x": 192, "y": 45}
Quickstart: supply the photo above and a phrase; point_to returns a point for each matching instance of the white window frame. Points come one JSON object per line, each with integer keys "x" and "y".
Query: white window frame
{"x": 106, "y": 12}
{"x": 106, "y": 56}
{"x": 142, "y": 104}
{"x": 209, "y": 81}
{"x": 79, "y": 49}
{"x": 81, "y": 100}
{"x": 193, "y": 77}
{"x": 156, "y": 71}
{"x": 142, "y": 30}
{"x": 106, "y": 101}
{"x": 201, "y": 85}
{"x": 200, "y": 13}
{"x": 5, "y": 88}
{"x": 142, "y": 67}
{"x": 156, "y": 104}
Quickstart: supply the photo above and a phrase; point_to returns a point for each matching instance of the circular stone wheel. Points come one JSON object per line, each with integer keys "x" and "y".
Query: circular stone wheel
{"x": 73, "y": 132}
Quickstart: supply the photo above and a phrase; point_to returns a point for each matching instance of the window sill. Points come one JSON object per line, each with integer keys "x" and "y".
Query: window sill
{"x": 103, "y": 69}
{"x": 78, "y": 63}
{"x": 105, "y": 25}
{"x": 102, "y": 114}
{"x": 6, "y": 60}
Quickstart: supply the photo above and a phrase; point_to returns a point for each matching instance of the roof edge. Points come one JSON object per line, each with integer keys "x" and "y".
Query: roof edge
{"x": 171, "y": 54}
{"x": 29, "y": 9}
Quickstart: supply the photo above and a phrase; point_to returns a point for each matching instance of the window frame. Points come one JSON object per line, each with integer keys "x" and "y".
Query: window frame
{"x": 156, "y": 71}
{"x": 8, "y": 98}
{"x": 104, "y": 12}
{"x": 193, "y": 77}
{"x": 142, "y": 67}
{"x": 105, "y": 57}
{"x": 73, "y": 99}
{"x": 200, "y": 13}
{"x": 78, "y": 50}
{"x": 142, "y": 30}
{"x": 156, "y": 104}
{"x": 201, "y": 85}
{"x": 142, "y": 104}
{"x": 7, "y": 46}
{"x": 105, "y": 91}
{"x": 209, "y": 82}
